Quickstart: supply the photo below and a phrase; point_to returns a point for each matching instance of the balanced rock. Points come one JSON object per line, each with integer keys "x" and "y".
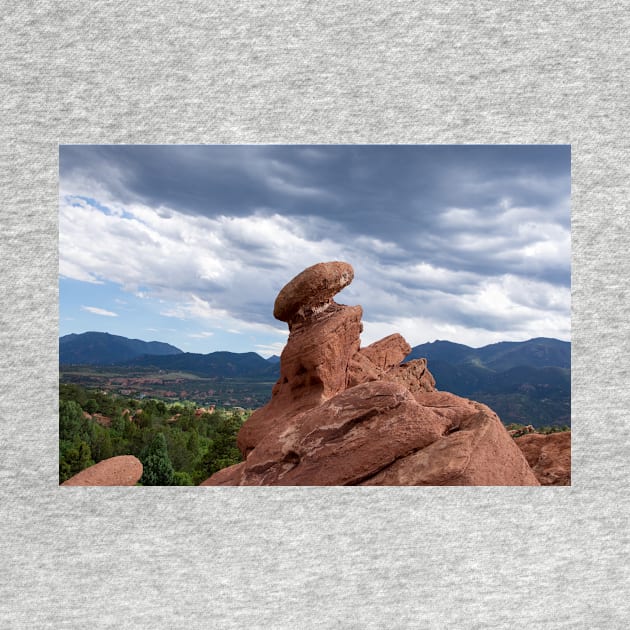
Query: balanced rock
{"x": 549, "y": 456}
{"x": 345, "y": 415}
{"x": 312, "y": 290}
{"x": 323, "y": 338}
{"x": 124, "y": 470}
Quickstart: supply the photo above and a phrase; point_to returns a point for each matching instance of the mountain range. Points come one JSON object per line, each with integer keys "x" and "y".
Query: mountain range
{"x": 540, "y": 352}
{"x": 100, "y": 348}
{"x": 527, "y": 381}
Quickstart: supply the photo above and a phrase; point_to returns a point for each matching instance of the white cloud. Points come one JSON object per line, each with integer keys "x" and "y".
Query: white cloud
{"x": 466, "y": 281}
{"x": 69, "y": 268}
{"x": 418, "y": 330}
{"x": 196, "y": 308}
{"x": 200, "y": 310}
{"x": 268, "y": 349}
{"x": 218, "y": 268}
{"x": 470, "y": 309}
{"x": 378, "y": 246}
{"x": 314, "y": 154}
{"x": 282, "y": 185}
{"x": 98, "y": 311}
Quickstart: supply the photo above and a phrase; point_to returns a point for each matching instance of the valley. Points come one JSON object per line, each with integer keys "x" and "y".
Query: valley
{"x": 171, "y": 386}
{"x": 526, "y": 382}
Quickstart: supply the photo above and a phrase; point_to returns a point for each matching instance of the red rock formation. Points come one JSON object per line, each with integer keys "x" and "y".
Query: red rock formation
{"x": 549, "y": 456}
{"x": 341, "y": 414}
{"x": 311, "y": 291}
{"x": 124, "y": 470}
{"x": 474, "y": 451}
{"x": 313, "y": 369}
{"x": 229, "y": 476}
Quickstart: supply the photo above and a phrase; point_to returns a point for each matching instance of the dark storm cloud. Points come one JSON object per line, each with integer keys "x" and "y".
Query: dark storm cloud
{"x": 427, "y": 228}
{"x": 375, "y": 188}
{"x": 208, "y": 180}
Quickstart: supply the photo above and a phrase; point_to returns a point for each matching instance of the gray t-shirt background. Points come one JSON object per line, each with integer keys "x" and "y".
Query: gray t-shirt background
{"x": 327, "y": 72}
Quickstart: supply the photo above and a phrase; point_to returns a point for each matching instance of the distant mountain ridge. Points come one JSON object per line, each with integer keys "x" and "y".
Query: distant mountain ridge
{"x": 539, "y": 352}
{"x": 214, "y": 364}
{"x": 527, "y": 381}
{"x": 100, "y": 348}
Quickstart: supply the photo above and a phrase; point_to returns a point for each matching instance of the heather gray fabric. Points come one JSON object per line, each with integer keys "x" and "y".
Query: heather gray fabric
{"x": 328, "y": 72}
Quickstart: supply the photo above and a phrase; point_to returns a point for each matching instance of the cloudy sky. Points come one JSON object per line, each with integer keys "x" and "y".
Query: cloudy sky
{"x": 191, "y": 244}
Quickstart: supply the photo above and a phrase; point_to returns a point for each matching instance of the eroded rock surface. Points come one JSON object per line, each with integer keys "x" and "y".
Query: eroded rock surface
{"x": 474, "y": 451}
{"x": 124, "y": 470}
{"x": 313, "y": 368}
{"x": 549, "y": 456}
{"x": 345, "y": 415}
{"x": 312, "y": 291}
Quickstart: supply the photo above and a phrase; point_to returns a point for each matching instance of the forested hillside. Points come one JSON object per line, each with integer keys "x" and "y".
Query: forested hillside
{"x": 178, "y": 444}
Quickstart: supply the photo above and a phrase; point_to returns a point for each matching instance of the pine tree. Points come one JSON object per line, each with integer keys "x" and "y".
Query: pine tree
{"x": 158, "y": 470}
{"x": 74, "y": 460}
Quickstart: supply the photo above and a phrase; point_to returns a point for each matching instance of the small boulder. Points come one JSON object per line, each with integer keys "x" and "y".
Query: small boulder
{"x": 124, "y": 470}
{"x": 414, "y": 375}
{"x": 370, "y": 363}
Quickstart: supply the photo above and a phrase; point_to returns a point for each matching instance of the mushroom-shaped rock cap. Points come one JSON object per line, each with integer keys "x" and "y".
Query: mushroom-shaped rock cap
{"x": 313, "y": 287}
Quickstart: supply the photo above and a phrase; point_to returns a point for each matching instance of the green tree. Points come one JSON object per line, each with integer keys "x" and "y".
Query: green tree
{"x": 177, "y": 442}
{"x": 158, "y": 470}
{"x": 101, "y": 445}
{"x": 130, "y": 430}
{"x": 182, "y": 479}
{"x": 222, "y": 450}
{"x": 193, "y": 444}
{"x": 91, "y": 406}
{"x": 105, "y": 403}
{"x": 73, "y": 426}
{"x": 70, "y": 419}
{"x": 74, "y": 460}
{"x": 117, "y": 425}
{"x": 71, "y": 391}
